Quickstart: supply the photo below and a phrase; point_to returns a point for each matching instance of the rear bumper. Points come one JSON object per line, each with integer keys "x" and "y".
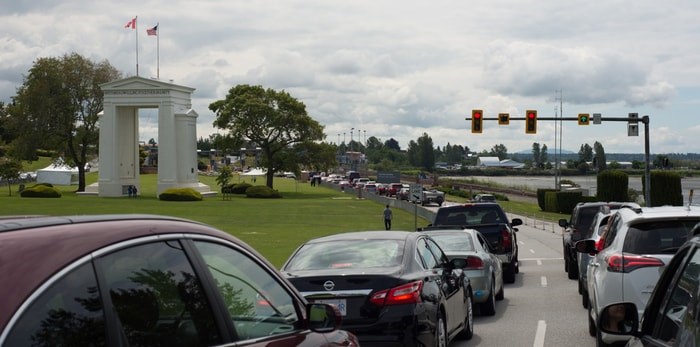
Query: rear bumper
{"x": 400, "y": 325}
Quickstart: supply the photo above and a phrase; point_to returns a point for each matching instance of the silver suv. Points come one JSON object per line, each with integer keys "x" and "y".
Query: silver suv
{"x": 626, "y": 265}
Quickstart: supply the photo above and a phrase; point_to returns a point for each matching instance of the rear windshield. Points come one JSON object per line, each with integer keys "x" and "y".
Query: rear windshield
{"x": 658, "y": 237}
{"x": 453, "y": 243}
{"x": 347, "y": 254}
{"x": 471, "y": 215}
{"x": 585, "y": 218}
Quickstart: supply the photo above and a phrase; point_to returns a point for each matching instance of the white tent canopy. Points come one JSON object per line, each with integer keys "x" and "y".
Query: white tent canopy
{"x": 59, "y": 174}
{"x": 255, "y": 172}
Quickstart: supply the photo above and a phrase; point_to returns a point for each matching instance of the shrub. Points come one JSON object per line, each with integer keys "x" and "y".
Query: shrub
{"x": 180, "y": 194}
{"x": 613, "y": 186}
{"x": 666, "y": 188}
{"x": 240, "y": 188}
{"x": 541, "y": 197}
{"x": 262, "y": 192}
{"x": 562, "y": 202}
{"x": 41, "y": 190}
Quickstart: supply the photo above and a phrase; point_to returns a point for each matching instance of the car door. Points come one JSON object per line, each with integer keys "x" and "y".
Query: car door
{"x": 672, "y": 313}
{"x": 452, "y": 285}
{"x": 493, "y": 262}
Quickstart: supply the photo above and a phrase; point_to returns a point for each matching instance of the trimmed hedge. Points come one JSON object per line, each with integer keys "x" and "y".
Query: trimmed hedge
{"x": 262, "y": 192}
{"x": 240, "y": 188}
{"x": 561, "y": 202}
{"x": 41, "y": 190}
{"x": 666, "y": 188}
{"x": 612, "y": 186}
{"x": 180, "y": 194}
{"x": 541, "y": 197}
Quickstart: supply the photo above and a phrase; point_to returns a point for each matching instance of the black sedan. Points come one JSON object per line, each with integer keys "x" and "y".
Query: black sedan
{"x": 393, "y": 288}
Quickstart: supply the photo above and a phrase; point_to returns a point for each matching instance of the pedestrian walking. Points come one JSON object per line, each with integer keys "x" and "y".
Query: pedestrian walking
{"x": 387, "y": 218}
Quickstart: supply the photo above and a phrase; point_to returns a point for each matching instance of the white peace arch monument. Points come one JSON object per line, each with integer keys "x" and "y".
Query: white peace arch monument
{"x": 119, "y": 136}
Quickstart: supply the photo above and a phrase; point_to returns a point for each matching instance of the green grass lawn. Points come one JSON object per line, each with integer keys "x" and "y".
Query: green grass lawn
{"x": 275, "y": 227}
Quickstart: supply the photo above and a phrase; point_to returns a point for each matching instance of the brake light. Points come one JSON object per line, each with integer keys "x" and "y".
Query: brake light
{"x": 627, "y": 263}
{"x": 507, "y": 239}
{"x": 474, "y": 263}
{"x": 408, "y": 293}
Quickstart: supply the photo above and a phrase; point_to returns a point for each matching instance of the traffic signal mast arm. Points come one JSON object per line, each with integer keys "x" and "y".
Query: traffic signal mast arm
{"x": 644, "y": 119}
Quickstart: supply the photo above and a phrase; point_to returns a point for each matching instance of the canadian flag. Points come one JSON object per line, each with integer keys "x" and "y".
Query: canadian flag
{"x": 131, "y": 24}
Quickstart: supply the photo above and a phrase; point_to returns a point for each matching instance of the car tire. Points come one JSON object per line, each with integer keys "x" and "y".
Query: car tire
{"x": 509, "y": 274}
{"x": 500, "y": 295}
{"x": 468, "y": 331}
{"x": 440, "y": 331}
{"x": 591, "y": 324}
{"x": 488, "y": 308}
{"x": 573, "y": 270}
{"x": 584, "y": 299}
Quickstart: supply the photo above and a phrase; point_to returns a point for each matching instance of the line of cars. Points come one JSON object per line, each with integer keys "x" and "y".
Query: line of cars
{"x": 622, "y": 255}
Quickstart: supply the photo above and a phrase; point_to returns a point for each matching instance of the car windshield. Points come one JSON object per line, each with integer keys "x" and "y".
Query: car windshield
{"x": 347, "y": 254}
{"x": 658, "y": 237}
{"x": 473, "y": 215}
{"x": 453, "y": 242}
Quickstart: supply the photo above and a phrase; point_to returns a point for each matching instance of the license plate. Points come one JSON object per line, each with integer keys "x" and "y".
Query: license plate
{"x": 339, "y": 303}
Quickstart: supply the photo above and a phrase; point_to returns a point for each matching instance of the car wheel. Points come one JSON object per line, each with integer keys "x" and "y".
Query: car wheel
{"x": 573, "y": 270}
{"x": 500, "y": 295}
{"x": 488, "y": 308}
{"x": 566, "y": 263}
{"x": 468, "y": 330}
{"x": 440, "y": 332}
{"x": 584, "y": 299}
{"x": 509, "y": 273}
{"x": 591, "y": 323}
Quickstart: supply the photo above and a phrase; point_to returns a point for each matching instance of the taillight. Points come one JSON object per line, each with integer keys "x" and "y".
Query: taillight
{"x": 408, "y": 293}
{"x": 507, "y": 239}
{"x": 629, "y": 262}
{"x": 474, "y": 263}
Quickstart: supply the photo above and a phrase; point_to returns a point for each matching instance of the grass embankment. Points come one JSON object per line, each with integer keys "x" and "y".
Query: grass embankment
{"x": 275, "y": 227}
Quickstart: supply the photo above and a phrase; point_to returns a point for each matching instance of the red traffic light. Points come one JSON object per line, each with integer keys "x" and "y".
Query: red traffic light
{"x": 477, "y": 121}
{"x": 531, "y": 115}
{"x": 476, "y": 115}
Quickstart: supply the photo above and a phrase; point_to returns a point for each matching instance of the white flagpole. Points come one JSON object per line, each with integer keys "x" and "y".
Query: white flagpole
{"x": 157, "y": 50}
{"x": 136, "y": 29}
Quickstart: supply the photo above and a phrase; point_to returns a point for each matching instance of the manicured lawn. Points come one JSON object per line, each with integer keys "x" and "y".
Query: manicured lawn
{"x": 275, "y": 227}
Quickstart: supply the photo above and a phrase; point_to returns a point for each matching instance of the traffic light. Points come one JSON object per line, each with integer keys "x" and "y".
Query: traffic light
{"x": 477, "y": 121}
{"x": 531, "y": 122}
{"x": 503, "y": 119}
{"x": 584, "y": 119}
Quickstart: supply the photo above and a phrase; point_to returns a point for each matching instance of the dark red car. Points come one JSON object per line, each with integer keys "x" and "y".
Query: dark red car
{"x": 142, "y": 280}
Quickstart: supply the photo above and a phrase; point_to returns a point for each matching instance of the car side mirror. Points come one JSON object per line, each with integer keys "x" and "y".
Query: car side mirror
{"x": 563, "y": 223}
{"x": 619, "y": 319}
{"x": 586, "y": 246}
{"x": 323, "y": 318}
{"x": 516, "y": 221}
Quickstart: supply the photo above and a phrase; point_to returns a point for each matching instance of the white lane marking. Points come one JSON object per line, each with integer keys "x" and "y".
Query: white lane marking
{"x": 539, "y": 261}
{"x": 532, "y": 251}
{"x": 543, "y": 281}
{"x": 539, "y": 335}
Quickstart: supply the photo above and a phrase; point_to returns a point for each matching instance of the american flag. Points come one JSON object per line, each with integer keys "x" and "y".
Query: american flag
{"x": 152, "y": 31}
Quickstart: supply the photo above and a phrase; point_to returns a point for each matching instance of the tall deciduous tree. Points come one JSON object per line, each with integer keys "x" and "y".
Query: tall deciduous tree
{"x": 426, "y": 152}
{"x": 536, "y": 158}
{"x": 500, "y": 150}
{"x": 600, "y": 159}
{"x": 57, "y": 107}
{"x": 273, "y": 120}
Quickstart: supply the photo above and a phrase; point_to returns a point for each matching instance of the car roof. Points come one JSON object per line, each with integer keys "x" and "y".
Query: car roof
{"x": 42, "y": 246}
{"x": 372, "y": 235}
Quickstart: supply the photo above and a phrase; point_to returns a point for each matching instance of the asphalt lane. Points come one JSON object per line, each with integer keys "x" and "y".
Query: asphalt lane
{"x": 542, "y": 307}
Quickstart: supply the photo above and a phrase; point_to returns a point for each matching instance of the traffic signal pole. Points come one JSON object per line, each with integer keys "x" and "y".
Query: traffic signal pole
{"x": 629, "y": 120}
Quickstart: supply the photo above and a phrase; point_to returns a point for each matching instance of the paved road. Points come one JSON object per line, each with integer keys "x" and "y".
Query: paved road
{"x": 542, "y": 308}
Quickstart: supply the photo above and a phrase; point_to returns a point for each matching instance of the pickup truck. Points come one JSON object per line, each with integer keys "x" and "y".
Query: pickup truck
{"x": 432, "y": 196}
{"x": 490, "y": 220}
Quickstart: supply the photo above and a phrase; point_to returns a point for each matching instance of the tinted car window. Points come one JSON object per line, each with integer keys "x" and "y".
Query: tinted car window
{"x": 585, "y": 218}
{"x": 258, "y": 304}
{"x": 347, "y": 254}
{"x": 657, "y": 237}
{"x": 157, "y": 297}
{"x": 426, "y": 256}
{"x": 68, "y": 313}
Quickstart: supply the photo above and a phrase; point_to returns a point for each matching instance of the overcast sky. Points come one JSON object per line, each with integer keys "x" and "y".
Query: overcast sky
{"x": 398, "y": 69}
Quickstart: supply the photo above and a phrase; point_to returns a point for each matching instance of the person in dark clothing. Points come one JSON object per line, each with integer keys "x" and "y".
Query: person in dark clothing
{"x": 387, "y": 217}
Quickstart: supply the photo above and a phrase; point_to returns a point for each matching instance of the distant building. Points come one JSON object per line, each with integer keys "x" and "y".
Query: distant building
{"x": 494, "y": 162}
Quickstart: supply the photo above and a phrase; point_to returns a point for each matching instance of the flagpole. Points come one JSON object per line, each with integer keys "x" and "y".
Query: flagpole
{"x": 136, "y": 29}
{"x": 158, "y": 51}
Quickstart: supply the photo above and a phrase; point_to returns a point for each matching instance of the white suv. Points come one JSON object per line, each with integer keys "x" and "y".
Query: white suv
{"x": 626, "y": 265}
